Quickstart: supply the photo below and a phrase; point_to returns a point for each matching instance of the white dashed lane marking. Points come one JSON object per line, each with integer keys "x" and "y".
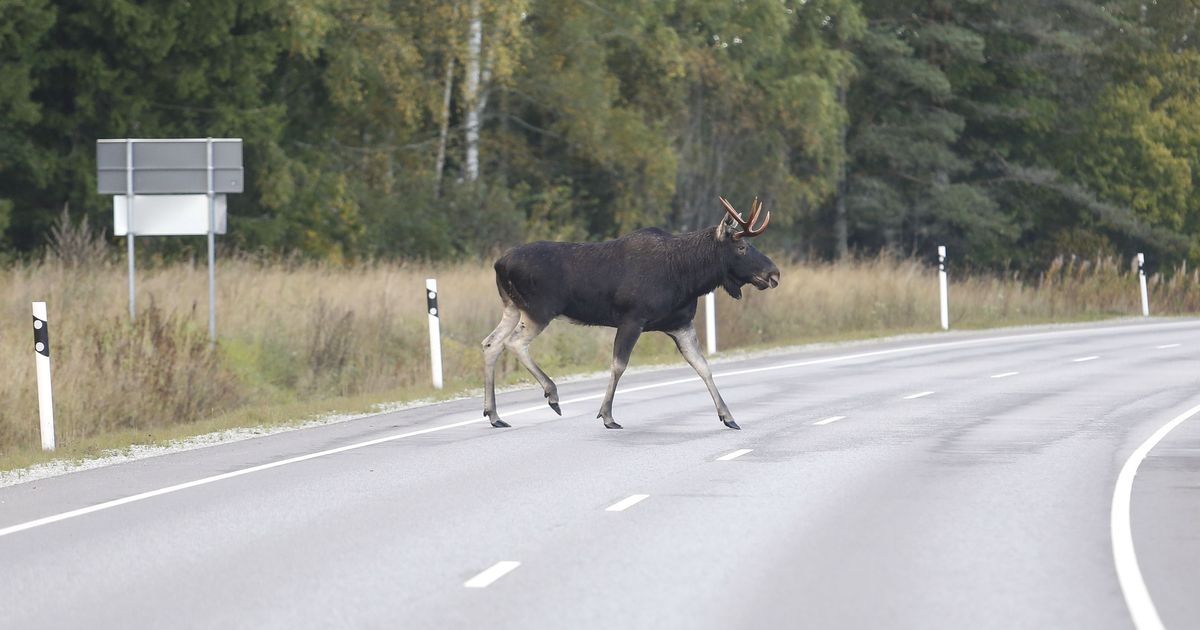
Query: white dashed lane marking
{"x": 491, "y": 574}
{"x": 626, "y": 503}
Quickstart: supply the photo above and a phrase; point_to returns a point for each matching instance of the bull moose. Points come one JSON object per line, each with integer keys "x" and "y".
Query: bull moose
{"x": 649, "y": 280}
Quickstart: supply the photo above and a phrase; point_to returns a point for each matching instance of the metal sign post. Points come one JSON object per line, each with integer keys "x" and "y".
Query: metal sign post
{"x": 161, "y": 177}
{"x": 212, "y": 246}
{"x": 129, "y": 223}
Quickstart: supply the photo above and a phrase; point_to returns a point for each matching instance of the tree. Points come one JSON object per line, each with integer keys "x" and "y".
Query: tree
{"x": 23, "y": 27}
{"x": 126, "y": 69}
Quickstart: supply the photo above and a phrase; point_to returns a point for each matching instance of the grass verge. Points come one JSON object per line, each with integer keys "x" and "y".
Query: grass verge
{"x": 299, "y": 341}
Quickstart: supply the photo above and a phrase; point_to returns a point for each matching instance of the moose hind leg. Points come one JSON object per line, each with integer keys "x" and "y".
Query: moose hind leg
{"x": 627, "y": 336}
{"x": 493, "y": 346}
{"x": 518, "y": 342}
{"x": 689, "y": 346}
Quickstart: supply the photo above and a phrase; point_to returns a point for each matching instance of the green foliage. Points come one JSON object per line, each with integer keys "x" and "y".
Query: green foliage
{"x": 1005, "y": 130}
{"x": 1141, "y": 147}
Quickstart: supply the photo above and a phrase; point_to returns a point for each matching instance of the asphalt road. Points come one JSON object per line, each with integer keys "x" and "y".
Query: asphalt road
{"x": 948, "y": 481}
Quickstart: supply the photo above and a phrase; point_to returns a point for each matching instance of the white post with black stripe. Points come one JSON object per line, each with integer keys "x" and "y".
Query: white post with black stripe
{"x": 41, "y": 349}
{"x": 1142, "y": 281}
{"x": 710, "y": 321}
{"x": 945, "y": 299}
{"x": 435, "y": 331}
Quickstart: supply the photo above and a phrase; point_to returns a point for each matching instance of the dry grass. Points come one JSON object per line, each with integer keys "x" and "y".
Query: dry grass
{"x": 300, "y": 339}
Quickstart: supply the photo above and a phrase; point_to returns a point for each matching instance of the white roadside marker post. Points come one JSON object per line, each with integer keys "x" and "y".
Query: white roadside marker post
{"x": 710, "y": 321}
{"x": 1142, "y": 281}
{"x": 435, "y": 331}
{"x": 942, "y": 287}
{"x": 41, "y": 348}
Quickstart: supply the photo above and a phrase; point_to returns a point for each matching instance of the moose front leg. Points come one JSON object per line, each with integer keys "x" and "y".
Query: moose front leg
{"x": 689, "y": 346}
{"x": 627, "y": 336}
{"x": 493, "y": 345}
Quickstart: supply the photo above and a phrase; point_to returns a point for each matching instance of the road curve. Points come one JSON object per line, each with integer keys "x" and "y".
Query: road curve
{"x": 947, "y": 481}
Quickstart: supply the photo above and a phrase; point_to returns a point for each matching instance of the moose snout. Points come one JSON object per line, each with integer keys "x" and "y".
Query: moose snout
{"x": 768, "y": 279}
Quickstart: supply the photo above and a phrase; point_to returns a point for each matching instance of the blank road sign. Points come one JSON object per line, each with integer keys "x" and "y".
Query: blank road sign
{"x": 169, "y": 166}
{"x": 168, "y": 215}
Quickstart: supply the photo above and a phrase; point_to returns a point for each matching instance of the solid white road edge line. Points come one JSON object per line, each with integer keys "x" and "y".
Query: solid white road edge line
{"x": 491, "y": 574}
{"x": 1082, "y": 359}
{"x": 1168, "y": 345}
{"x": 734, "y": 455}
{"x": 626, "y": 503}
{"x": 769, "y": 368}
{"x": 1137, "y": 598}
{"x": 1005, "y": 374}
{"x": 828, "y": 420}
{"x": 207, "y": 480}
{"x": 917, "y": 395}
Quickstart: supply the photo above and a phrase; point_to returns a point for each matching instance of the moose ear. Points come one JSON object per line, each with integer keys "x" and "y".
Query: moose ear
{"x": 726, "y": 229}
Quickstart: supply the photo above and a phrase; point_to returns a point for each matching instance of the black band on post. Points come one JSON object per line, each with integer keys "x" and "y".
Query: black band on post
{"x": 41, "y": 337}
{"x": 431, "y": 305}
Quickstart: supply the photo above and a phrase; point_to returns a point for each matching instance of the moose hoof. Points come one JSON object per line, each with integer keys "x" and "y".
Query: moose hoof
{"x": 500, "y": 424}
{"x": 554, "y": 406}
{"x": 611, "y": 424}
{"x": 731, "y": 424}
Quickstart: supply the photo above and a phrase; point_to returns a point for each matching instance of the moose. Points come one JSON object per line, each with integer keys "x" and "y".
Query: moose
{"x": 648, "y": 280}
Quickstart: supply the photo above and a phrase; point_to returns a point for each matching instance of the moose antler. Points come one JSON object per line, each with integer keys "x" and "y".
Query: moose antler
{"x": 747, "y": 230}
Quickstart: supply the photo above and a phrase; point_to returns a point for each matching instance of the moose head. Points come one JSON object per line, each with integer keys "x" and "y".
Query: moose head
{"x": 744, "y": 264}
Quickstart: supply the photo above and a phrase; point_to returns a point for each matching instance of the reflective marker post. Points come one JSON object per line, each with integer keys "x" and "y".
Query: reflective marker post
{"x": 1142, "y": 281}
{"x": 942, "y": 287}
{"x": 710, "y": 321}
{"x": 435, "y": 331}
{"x": 41, "y": 348}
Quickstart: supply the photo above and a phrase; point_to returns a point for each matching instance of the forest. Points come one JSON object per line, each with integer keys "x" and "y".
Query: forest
{"x": 1014, "y": 132}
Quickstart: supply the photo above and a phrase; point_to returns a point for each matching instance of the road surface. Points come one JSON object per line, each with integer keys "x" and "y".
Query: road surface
{"x": 946, "y": 481}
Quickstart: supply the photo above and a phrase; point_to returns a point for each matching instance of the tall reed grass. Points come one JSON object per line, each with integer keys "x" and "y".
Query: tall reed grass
{"x": 301, "y": 338}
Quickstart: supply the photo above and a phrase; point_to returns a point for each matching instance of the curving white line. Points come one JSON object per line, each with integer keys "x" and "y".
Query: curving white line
{"x": 1137, "y": 598}
{"x": 55, "y": 518}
